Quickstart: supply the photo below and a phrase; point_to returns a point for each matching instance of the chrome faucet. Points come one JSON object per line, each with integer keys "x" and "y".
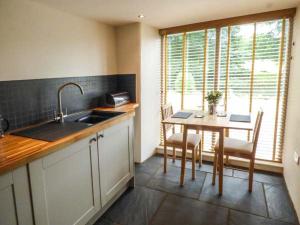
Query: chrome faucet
{"x": 60, "y": 115}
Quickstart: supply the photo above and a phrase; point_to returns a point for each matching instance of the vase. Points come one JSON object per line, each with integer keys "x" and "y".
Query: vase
{"x": 212, "y": 109}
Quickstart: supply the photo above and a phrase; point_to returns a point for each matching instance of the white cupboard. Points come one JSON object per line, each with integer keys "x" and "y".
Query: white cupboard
{"x": 73, "y": 185}
{"x": 115, "y": 146}
{"x": 65, "y": 185}
{"x": 15, "y": 204}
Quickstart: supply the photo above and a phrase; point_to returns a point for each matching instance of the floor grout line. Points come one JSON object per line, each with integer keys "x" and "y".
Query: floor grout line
{"x": 230, "y": 208}
{"x": 202, "y": 186}
{"x": 210, "y": 203}
{"x": 232, "y": 175}
{"x": 157, "y": 210}
{"x": 265, "y": 198}
{"x": 228, "y": 217}
{"x": 197, "y": 199}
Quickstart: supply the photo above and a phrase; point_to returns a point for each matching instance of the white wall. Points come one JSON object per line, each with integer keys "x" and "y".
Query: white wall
{"x": 128, "y": 58}
{"x": 138, "y": 51}
{"x": 37, "y": 41}
{"x": 128, "y": 48}
{"x": 292, "y": 138}
{"x": 128, "y": 44}
{"x": 40, "y": 42}
{"x": 150, "y": 90}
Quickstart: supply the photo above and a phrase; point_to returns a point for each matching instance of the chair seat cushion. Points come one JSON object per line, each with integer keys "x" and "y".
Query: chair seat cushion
{"x": 236, "y": 146}
{"x": 192, "y": 139}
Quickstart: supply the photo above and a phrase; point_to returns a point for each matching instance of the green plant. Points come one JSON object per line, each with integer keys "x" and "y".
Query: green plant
{"x": 213, "y": 97}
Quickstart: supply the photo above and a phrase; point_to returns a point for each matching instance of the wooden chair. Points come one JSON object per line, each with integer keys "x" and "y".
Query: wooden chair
{"x": 176, "y": 140}
{"x": 241, "y": 149}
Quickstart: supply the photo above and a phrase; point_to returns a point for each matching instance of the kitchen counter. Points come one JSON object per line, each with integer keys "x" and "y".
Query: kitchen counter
{"x": 16, "y": 151}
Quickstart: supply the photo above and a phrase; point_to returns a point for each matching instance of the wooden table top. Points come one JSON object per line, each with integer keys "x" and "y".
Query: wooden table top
{"x": 16, "y": 151}
{"x": 211, "y": 121}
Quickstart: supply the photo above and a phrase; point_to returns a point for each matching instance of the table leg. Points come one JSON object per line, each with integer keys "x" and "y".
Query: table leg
{"x": 216, "y": 162}
{"x": 184, "y": 147}
{"x": 194, "y": 156}
{"x": 221, "y": 159}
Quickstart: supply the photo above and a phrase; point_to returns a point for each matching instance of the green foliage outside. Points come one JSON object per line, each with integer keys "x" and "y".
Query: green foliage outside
{"x": 266, "y": 59}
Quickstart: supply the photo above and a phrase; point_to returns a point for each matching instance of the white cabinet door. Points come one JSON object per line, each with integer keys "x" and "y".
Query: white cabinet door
{"x": 65, "y": 185}
{"x": 115, "y": 147}
{"x": 15, "y": 204}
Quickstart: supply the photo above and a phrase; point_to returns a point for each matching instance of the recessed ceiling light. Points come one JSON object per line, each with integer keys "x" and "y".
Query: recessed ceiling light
{"x": 141, "y": 16}
{"x": 269, "y": 5}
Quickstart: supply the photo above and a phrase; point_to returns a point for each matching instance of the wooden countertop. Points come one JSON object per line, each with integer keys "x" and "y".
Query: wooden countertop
{"x": 16, "y": 151}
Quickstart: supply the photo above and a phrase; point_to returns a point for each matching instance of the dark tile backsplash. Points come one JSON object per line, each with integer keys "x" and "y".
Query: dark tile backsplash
{"x": 26, "y": 102}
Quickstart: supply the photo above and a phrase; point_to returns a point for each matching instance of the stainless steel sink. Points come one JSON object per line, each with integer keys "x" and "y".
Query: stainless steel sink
{"x": 93, "y": 117}
{"x": 73, "y": 123}
{"x": 51, "y": 131}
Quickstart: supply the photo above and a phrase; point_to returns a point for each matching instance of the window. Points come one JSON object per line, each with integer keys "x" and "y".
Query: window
{"x": 247, "y": 62}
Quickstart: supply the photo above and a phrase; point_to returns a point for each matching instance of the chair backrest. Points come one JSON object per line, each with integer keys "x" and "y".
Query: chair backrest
{"x": 257, "y": 130}
{"x": 166, "y": 111}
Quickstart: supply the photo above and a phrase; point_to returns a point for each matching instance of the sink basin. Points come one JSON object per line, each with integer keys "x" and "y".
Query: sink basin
{"x": 93, "y": 117}
{"x": 53, "y": 131}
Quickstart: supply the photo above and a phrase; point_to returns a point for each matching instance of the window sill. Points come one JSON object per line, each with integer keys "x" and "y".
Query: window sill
{"x": 261, "y": 165}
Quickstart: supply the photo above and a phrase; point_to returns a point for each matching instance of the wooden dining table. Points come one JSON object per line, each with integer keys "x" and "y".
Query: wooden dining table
{"x": 212, "y": 123}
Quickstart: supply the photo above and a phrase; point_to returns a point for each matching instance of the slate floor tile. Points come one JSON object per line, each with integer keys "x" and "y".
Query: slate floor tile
{"x": 155, "y": 159}
{"x": 144, "y": 171}
{"x": 260, "y": 177}
{"x": 155, "y": 200}
{"x": 151, "y": 165}
{"x": 104, "y": 221}
{"x": 279, "y": 203}
{"x": 206, "y": 167}
{"x": 209, "y": 169}
{"x": 235, "y": 195}
{"x": 142, "y": 178}
{"x": 239, "y": 218}
{"x": 136, "y": 206}
{"x": 177, "y": 163}
{"x": 182, "y": 211}
{"x": 169, "y": 182}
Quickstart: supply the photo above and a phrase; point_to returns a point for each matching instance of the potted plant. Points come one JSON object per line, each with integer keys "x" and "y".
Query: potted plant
{"x": 213, "y": 98}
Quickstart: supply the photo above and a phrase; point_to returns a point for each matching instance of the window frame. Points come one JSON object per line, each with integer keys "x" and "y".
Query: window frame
{"x": 218, "y": 24}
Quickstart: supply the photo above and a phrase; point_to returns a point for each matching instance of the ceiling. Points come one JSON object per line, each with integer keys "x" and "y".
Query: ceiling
{"x": 165, "y": 13}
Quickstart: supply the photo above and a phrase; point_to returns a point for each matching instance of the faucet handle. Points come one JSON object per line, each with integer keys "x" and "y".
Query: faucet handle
{"x": 66, "y": 111}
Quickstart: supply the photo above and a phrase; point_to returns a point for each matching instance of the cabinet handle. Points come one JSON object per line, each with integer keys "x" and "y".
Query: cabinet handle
{"x": 92, "y": 140}
{"x": 100, "y": 136}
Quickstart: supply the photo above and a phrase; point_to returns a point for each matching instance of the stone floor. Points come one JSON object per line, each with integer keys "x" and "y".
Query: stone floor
{"x": 158, "y": 199}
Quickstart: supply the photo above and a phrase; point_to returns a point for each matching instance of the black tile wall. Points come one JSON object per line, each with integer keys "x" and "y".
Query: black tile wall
{"x": 26, "y": 102}
{"x": 127, "y": 83}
